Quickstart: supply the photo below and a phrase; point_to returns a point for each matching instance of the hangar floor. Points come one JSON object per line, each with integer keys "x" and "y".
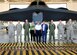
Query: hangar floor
{"x": 37, "y": 49}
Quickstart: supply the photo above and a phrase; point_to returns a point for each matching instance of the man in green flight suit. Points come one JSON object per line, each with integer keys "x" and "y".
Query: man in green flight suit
{"x": 51, "y": 31}
{"x": 26, "y": 26}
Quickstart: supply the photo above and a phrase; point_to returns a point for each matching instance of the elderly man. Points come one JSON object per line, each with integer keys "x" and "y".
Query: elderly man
{"x": 44, "y": 31}
{"x": 26, "y": 30}
{"x": 19, "y": 30}
{"x": 11, "y": 32}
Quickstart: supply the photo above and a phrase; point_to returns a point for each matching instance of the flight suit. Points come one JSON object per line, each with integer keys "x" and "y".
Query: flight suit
{"x": 26, "y": 32}
{"x": 51, "y": 32}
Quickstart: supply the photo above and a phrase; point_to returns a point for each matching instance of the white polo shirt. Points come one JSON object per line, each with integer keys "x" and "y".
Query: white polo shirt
{"x": 38, "y": 27}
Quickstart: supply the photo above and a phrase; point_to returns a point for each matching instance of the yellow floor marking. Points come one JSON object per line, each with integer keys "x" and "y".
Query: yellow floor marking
{"x": 35, "y": 52}
{"x": 40, "y": 44}
{"x": 6, "y": 53}
{"x": 74, "y": 51}
{"x": 18, "y": 52}
{"x": 53, "y": 52}
{"x": 41, "y": 52}
{"x": 30, "y": 52}
{"x": 12, "y": 52}
{"x": 65, "y": 52}
{"x": 71, "y": 52}
{"x": 50, "y": 44}
{"x": 24, "y": 52}
{"x": 3, "y": 48}
{"x": 46, "y": 46}
{"x": 1, "y": 52}
{"x": 47, "y": 52}
{"x": 59, "y": 52}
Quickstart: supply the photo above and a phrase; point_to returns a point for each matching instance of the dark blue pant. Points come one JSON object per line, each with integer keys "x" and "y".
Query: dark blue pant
{"x": 44, "y": 36}
{"x": 32, "y": 35}
{"x": 38, "y": 35}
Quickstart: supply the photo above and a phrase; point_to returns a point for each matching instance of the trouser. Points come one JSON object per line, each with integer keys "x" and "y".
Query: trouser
{"x": 70, "y": 34}
{"x": 51, "y": 36}
{"x": 11, "y": 37}
{"x": 38, "y": 35}
{"x": 19, "y": 35}
{"x": 26, "y": 37}
{"x": 44, "y": 36}
{"x": 18, "y": 39}
{"x": 61, "y": 35}
{"x": 32, "y": 35}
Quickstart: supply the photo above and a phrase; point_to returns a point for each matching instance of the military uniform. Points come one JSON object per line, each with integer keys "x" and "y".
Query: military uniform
{"x": 70, "y": 31}
{"x": 75, "y": 27}
{"x": 51, "y": 32}
{"x": 26, "y": 31}
{"x": 60, "y": 28}
{"x": 19, "y": 32}
{"x": 11, "y": 33}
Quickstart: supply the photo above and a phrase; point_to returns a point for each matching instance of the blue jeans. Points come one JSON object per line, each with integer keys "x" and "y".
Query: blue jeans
{"x": 44, "y": 36}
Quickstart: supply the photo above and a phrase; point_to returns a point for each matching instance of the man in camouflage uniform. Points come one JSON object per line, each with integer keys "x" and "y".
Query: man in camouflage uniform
{"x": 60, "y": 28}
{"x": 70, "y": 31}
{"x": 19, "y": 30}
{"x": 11, "y": 32}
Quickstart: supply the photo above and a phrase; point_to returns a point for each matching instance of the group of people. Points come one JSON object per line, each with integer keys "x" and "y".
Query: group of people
{"x": 38, "y": 31}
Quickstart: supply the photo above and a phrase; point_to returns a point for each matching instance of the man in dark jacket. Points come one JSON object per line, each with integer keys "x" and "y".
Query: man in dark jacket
{"x": 44, "y": 31}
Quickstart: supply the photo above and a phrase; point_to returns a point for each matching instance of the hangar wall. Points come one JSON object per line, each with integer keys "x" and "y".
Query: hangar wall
{"x": 72, "y": 6}
{"x": 4, "y": 6}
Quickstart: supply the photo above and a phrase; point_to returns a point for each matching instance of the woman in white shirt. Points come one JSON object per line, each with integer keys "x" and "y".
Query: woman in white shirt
{"x": 38, "y": 31}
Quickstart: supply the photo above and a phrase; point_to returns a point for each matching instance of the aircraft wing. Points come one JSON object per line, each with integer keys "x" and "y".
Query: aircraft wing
{"x": 48, "y": 14}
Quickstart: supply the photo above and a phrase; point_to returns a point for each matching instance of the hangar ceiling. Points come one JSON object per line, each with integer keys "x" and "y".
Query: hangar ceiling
{"x": 41, "y": 0}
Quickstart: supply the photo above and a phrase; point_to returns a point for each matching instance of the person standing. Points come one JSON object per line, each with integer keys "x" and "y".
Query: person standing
{"x": 32, "y": 27}
{"x": 75, "y": 27}
{"x": 70, "y": 31}
{"x": 38, "y": 31}
{"x": 52, "y": 31}
{"x": 26, "y": 26}
{"x": 11, "y": 32}
{"x": 44, "y": 31}
{"x": 60, "y": 28}
{"x": 19, "y": 31}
